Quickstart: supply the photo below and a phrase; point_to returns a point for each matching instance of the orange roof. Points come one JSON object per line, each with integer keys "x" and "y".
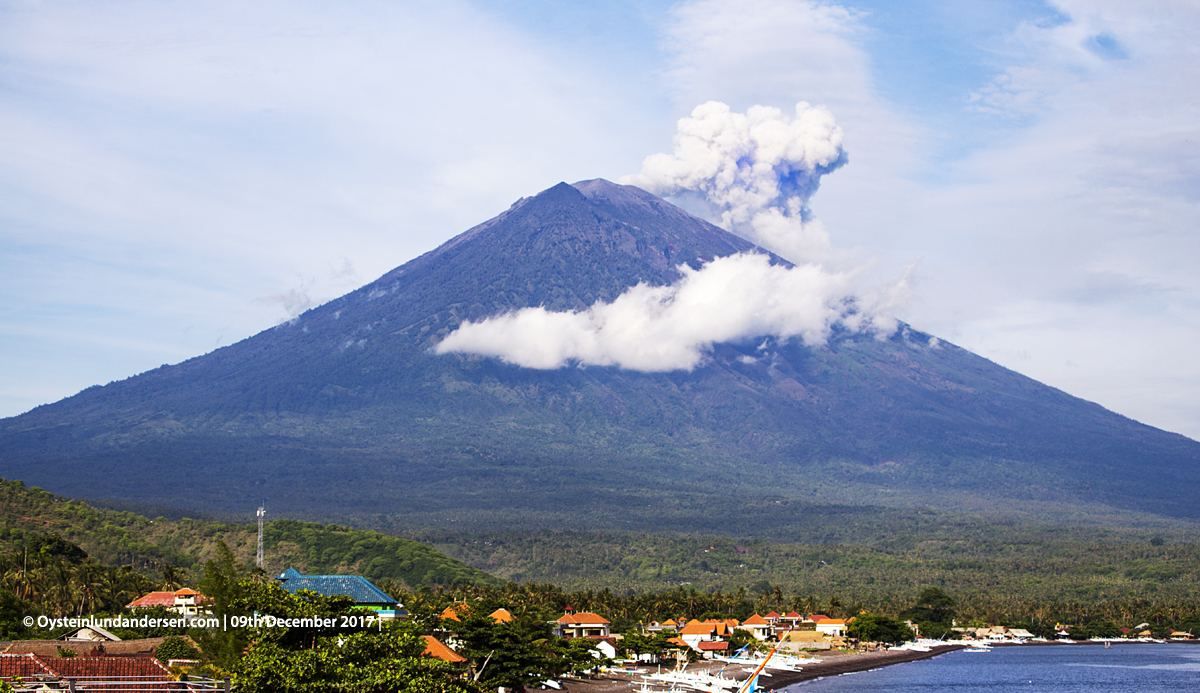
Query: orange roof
{"x": 678, "y": 641}
{"x": 435, "y": 648}
{"x": 694, "y": 620}
{"x": 501, "y": 616}
{"x": 713, "y": 645}
{"x": 831, "y": 622}
{"x": 583, "y": 617}
{"x": 185, "y": 592}
{"x": 669, "y": 622}
{"x": 451, "y": 612}
{"x": 755, "y": 620}
{"x": 698, "y": 629}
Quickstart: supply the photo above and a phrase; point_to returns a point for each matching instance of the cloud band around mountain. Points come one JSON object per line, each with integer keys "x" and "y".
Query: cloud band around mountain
{"x": 664, "y": 328}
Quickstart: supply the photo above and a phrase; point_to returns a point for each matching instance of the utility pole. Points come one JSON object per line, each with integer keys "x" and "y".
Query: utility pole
{"x": 258, "y": 561}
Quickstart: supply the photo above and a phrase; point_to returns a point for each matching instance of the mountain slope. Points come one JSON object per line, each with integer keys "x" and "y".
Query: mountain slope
{"x": 345, "y": 410}
{"x": 126, "y": 538}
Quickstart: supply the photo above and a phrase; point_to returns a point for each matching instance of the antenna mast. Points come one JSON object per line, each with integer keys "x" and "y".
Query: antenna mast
{"x": 258, "y": 561}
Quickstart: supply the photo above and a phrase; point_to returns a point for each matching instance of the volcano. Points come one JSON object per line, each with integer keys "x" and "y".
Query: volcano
{"x": 346, "y": 410}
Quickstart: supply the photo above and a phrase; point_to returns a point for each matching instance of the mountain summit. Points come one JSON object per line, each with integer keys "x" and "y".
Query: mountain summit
{"x": 346, "y": 410}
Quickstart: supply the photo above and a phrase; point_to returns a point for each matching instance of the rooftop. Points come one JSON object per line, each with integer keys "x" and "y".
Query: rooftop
{"x": 356, "y": 587}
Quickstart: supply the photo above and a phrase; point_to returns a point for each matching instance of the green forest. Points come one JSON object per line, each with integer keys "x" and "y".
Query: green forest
{"x": 60, "y": 556}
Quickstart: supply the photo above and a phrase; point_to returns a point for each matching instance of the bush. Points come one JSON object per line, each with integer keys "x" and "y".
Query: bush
{"x": 175, "y": 647}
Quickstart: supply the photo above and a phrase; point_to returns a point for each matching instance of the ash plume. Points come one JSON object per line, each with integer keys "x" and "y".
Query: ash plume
{"x": 753, "y": 173}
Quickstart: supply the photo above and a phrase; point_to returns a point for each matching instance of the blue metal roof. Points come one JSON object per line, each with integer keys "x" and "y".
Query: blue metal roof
{"x": 355, "y": 586}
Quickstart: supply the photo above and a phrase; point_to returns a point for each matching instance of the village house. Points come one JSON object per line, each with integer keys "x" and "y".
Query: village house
{"x": 669, "y": 625}
{"x": 88, "y": 634}
{"x": 361, "y": 590}
{"x": 436, "y": 648}
{"x": 801, "y": 640}
{"x": 833, "y": 627}
{"x": 460, "y": 610}
{"x": 706, "y": 638}
{"x": 581, "y": 625}
{"x": 757, "y": 626}
{"x": 109, "y": 646}
{"x": 184, "y": 601}
{"x": 103, "y": 673}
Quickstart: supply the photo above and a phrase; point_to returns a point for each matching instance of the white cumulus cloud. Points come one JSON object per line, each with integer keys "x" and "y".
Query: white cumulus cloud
{"x": 662, "y": 328}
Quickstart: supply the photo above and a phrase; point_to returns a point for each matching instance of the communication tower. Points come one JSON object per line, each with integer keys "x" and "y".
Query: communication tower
{"x": 258, "y": 560}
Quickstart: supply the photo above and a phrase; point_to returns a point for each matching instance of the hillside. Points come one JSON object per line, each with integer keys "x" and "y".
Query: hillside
{"x": 125, "y": 538}
{"x": 869, "y": 555}
{"x": 345, "y": 412}
{"x": 1014, "y": 563}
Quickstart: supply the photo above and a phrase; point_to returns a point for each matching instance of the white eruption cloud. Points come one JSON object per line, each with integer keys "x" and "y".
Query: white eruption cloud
{"x": 662, "y": 328}
{"x": 753, "y": 174}
{"x": 754, "y": 171}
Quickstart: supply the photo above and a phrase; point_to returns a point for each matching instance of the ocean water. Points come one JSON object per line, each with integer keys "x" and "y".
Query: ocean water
{"x": 1129, "y": 668}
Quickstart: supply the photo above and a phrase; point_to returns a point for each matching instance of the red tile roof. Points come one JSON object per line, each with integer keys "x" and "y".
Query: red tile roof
{"x": 706, "y": 645}
{"x": 22, "y": 665}
{"x": 48, "y": 649}
{"x": 772, "y": 615}
{"x": 79, "y": 667}
{"x": 153, "y": 599}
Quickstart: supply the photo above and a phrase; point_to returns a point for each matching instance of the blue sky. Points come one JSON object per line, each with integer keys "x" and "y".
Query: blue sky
{"x": 174, "y": 178}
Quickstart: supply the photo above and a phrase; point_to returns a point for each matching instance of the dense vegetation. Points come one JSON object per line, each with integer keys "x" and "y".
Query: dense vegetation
{"x": 1005, "y": 563}
{"x": 996, "y": 570}
{"x": 625, "y": 610}
{"x": 146, "y": 546}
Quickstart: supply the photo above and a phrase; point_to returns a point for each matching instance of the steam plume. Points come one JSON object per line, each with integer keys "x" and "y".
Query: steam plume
{"x": 754, "y": 174}
{"x": 754, "y": 171}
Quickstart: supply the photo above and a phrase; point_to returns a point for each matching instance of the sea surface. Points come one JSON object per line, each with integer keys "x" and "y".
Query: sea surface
{"x": 1130, "y": 668}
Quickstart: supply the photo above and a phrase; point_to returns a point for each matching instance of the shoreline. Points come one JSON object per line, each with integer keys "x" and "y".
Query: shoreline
{"x": 831, "y": 665}
{"x": 848, "y": 664}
